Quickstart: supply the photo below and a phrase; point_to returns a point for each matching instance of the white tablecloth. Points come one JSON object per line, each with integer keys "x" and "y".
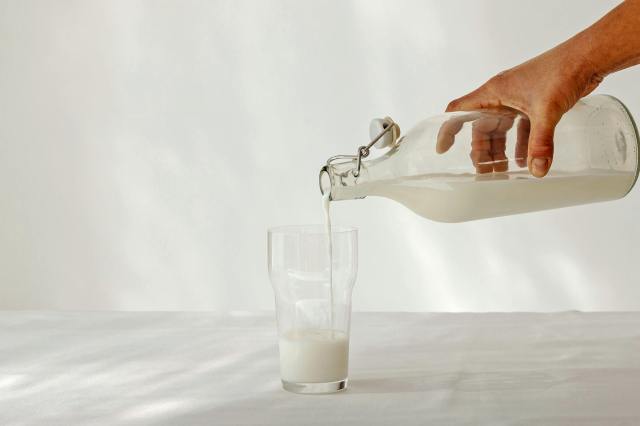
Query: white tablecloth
{"x": 204, "y": 368}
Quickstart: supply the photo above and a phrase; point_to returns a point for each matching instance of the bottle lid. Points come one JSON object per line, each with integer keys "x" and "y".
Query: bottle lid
{"x": 377, "y": 126}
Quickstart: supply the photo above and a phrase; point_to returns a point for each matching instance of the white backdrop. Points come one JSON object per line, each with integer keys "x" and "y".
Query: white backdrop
{"x": 146, "y": 146}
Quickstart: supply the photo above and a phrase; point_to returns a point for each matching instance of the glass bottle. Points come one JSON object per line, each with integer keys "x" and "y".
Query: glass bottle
{"x": 464, "y": 166}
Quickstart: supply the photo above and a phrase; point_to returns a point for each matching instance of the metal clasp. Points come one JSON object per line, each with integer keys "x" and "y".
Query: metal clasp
{"x": 363, "y": 151}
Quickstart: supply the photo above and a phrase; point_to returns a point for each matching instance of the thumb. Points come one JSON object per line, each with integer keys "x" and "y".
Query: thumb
{"x": 540, "y": 153}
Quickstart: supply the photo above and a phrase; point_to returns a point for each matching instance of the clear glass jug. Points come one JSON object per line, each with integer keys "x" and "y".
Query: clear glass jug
{"x": 472, "y": 165}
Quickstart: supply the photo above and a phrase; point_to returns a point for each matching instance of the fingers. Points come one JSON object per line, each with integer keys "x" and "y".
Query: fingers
{"x": 506, "y": 122}
{"x": 498, "y": 152}
{"x": 534, "y": 143}
{"x": 447, "y": 134}
{"x": 488, "y": 140}
{"x": 489, "y": 144}
{"x": 499, "y": 144}
{"x": 481, "y": 145}
{"x": 522, "y": 141}
{"x": 449, "y": 130}
{"x": 540, "y": 150}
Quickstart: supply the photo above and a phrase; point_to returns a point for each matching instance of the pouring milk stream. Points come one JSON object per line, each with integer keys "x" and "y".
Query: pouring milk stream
{"x": 316, "y": 355}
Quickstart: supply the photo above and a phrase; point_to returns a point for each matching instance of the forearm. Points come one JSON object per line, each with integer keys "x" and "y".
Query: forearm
{"x": 612, "y": 43}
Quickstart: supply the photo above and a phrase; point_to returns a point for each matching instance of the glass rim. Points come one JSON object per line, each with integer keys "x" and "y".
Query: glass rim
{"x": 311, "y": 229}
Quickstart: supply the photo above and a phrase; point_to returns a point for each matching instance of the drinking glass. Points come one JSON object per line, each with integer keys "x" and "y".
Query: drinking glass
{"x": 313, "y": 304}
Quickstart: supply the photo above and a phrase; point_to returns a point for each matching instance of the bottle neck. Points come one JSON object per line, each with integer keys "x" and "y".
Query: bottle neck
{"x": 338, "y": 179}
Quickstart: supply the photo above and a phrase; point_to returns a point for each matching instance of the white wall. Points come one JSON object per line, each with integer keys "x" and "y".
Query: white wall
{"x": 146, "y": 146}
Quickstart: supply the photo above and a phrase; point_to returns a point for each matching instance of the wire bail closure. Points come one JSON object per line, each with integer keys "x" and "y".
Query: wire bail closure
{"x": 388, "y": 126}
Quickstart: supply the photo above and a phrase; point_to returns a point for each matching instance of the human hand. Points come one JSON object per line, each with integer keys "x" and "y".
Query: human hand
{"x": 542, "y": 89}
{"x": 488, "y": 139}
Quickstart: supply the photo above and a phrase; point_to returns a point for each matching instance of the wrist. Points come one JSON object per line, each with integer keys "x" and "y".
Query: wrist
{"x": 584, "y": 60}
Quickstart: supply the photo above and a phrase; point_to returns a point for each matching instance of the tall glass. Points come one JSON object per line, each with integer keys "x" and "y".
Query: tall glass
{"x": 313, "y": 304}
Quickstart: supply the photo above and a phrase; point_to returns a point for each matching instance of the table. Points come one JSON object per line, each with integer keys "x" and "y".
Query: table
{"x": 112, "y": 368}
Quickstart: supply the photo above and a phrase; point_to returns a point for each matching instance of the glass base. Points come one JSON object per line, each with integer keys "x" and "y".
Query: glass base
{"x": 315, "y": 388}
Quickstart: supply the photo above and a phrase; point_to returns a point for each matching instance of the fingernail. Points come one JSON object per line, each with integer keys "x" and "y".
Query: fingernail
{"x": 539, "y": 166}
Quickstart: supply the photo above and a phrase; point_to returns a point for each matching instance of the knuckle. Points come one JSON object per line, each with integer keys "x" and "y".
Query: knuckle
{"x": 481, "y": 145}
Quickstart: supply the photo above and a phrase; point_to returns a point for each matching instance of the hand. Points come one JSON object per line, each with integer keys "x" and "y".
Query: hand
{"x": 488, "y": 139}
{"x": 543, "y": 89}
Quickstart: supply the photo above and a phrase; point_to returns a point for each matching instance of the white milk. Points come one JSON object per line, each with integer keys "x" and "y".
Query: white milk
{"x": 327, "y": 224}
{"x": 462, "y": 197}
{"x": 314, "y": 356}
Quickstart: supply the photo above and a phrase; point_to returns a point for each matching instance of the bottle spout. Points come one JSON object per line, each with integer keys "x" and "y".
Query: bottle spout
{"x": 338, "y": 181}
{"x": 343, "y": 170}
{"x": 325, "y": 181}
